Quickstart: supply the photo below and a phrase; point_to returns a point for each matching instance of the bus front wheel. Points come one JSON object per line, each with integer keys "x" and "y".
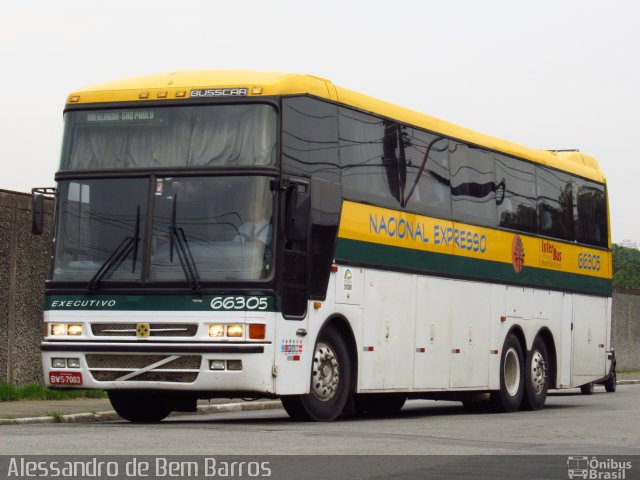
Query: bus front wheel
{"x": 330, "y": 381}
{"x": 509, "y": 397}
{"x": 139, "y": 406}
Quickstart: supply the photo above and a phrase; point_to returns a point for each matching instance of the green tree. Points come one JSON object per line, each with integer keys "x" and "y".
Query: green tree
{"x": 626, "y": 267}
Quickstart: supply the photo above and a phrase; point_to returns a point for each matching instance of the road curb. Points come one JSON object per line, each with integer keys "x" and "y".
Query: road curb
{"x": 628, "y": 382}
{"x": 111, "y": 415}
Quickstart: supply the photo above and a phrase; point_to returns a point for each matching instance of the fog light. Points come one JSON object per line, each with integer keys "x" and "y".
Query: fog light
{"x": 234, "y": 331}
{"x": 216, "y": 364}
{"x": 58, "y": 329}
{"x": 74, "y": 329}
{"x": 257, "y": 331}
{"x": 73, "y": 362}
{"x": 58, "y": 363}
{"x": 234, "y": 364}
{"x": 216, "y": 330}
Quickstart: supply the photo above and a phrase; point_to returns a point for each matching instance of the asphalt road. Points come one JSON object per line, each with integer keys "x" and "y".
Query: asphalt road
{"x": 570, "y": 424}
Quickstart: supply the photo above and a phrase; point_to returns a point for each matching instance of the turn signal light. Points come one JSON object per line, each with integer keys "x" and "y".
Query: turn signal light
{"x": 257, "y": 331}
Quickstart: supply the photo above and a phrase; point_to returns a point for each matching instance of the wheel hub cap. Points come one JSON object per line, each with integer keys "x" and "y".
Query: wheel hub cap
{"x": 326, "y": 372}
{"x": 512, "y": 372}
{"x": 538, "y": 372}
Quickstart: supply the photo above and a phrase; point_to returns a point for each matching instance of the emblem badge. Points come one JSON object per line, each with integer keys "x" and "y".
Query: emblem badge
{"x": 142, "y": 330}
{"x": 517, "y": 254}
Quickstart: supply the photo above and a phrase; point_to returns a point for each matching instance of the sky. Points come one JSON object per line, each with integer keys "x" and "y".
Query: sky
{"x": 550, "y": 74}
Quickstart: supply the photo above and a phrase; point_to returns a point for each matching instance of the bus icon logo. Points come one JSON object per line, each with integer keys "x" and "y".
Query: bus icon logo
{"x": 578, "y": 467}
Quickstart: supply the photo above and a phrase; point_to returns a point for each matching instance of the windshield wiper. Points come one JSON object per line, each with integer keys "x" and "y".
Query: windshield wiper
{"x": 122, "y": 251}
{"x": 178, "y": 239}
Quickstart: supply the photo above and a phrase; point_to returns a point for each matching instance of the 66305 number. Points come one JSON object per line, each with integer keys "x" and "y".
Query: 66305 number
{"x": 239, "y": 303}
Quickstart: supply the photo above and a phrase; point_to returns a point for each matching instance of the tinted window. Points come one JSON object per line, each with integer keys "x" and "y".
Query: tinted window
{"x": 428, "y": 188}
{"x": 310, "y": 138}
{"x": 591, "y": 226}
{"x": 517, "y": 210}
{"x": 555, "y": 203}
{"x": 373, "y": 168}
{"x": 203, "y": 136}
{"x": 473, "y": 187}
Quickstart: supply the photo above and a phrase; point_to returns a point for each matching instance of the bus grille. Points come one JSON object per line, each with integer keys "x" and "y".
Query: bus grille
{"x": 106, "y": 368}
{"x": 155, "y": 329}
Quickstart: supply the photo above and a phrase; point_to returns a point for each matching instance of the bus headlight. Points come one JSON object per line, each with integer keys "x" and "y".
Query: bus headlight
{"x": 58, "y": 329}
{"x": 74, "y": 329}
{"x": 234, "y": 331}
{"x": 216, "y": 330}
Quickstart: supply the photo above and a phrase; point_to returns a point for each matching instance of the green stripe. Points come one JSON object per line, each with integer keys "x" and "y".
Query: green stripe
{"x": 172, "y": 303}
{"x": 374, "y": 254}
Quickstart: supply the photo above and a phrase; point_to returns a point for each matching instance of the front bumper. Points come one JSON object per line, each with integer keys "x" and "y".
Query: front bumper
{"x": 163, "y": 365}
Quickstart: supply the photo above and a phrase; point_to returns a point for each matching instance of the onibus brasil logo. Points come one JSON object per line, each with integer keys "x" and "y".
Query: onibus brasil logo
{"x": 596, "y": 468}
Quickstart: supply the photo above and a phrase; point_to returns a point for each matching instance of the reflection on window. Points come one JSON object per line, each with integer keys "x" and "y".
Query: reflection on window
{"x": 592, "y": 214}
{"x": 555, "y": 204}
{"x": 362, "y": 158}
{"x": 428, "y": 186}
{"x": 310, "y": 138}
{"x": 96, "y": 217}
{"x": 474, "y": 191}
{"x": 227, "y": 223}
{"x": 518, "y": 209}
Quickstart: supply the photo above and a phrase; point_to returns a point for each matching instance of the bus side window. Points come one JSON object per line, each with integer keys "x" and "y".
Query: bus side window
{"x": 591, "y": 225}
{"x": 370, "y": 159}
{"x": 428, "y": 188}
{"x": 474, "y": 190}
{"x": 555, "y": 203}
{"x": 310, "y": 138}
{"x": 518, "y": 210}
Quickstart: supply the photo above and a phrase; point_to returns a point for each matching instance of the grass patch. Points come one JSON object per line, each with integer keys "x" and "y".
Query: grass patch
{"x": 628, "y": 372}
{"x": 57, "y": 416}
{"x": 9, "y": 393}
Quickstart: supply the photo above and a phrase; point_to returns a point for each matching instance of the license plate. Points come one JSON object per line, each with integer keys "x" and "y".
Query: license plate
{"x": 65, "y": 378}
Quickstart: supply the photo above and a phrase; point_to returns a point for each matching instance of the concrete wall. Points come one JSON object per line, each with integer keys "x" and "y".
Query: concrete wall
{"x": 24, "y": 262}
{"x": 625, "y": 328}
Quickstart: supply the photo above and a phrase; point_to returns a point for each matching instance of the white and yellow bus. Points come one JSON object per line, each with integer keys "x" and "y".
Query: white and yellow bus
{"x": 268, "y": 235}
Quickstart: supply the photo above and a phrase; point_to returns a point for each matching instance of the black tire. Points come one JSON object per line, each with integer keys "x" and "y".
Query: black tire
{"x": 330, "y": 381}
{"x": 139, "y": 406}
{"x": 536, "y": 376}
{"x": 611, "y": 384}
{"x": 587, "y": 388}
{"x": 379, "y": 404}
{"x": 509, "y": 397}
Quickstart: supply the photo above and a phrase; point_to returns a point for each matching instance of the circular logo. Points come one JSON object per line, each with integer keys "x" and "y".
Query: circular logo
{"x": 517, "y": 253}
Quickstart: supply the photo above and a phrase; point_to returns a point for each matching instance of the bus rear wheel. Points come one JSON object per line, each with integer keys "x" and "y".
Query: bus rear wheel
{"x": 509, "y": 397}
{"x": 139, "y": 406}
{"x": 330, "y": 381}
{"x": 536, "y": 376}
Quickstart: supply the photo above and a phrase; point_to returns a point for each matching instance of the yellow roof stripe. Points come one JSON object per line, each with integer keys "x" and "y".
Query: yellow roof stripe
{"x": 277, "y": 83}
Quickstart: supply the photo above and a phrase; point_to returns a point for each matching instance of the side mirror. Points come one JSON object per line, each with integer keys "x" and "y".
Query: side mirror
{"x": 37, "y": 214}
{"x": 38, "y": 209}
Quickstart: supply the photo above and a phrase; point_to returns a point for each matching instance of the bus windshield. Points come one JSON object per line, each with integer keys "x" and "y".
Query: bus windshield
{"x": 223, "y": 223}
{"x": 193, "y": 136}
